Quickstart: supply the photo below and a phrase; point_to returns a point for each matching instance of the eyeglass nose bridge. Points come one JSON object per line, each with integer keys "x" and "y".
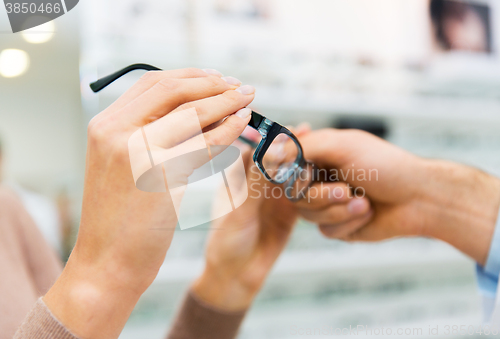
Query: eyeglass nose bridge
{"x": 265, "y": 127}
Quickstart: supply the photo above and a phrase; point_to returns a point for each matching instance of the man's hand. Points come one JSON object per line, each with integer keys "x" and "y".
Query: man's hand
{"x": 124, "y": 232}
{"x": 411, "y": 196}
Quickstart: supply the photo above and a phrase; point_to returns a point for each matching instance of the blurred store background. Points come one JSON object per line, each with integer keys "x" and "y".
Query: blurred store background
{"x": 423, "y": 74}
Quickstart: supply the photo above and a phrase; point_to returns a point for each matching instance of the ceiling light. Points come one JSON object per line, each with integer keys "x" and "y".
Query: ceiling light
{"x": 39, "y": 34}
{"x": 13, "y": 62}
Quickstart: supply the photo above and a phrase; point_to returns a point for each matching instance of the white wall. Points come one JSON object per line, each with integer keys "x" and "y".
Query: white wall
{"x": 41, "y": 123}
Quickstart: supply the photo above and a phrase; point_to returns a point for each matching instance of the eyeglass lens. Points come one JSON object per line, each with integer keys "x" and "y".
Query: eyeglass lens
{"x": 280, "y": 158}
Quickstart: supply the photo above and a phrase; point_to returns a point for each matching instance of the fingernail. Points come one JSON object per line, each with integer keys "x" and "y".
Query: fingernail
{"x": 246, "y": 90}
{"x": 232, "y": 81}
{"x": 358, "y": 206}
{"x": 212, "y": 72}
{"x": 243, "y": 113}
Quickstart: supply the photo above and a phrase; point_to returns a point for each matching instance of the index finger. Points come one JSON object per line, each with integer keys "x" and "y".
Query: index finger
{"x": 150, "y": 79}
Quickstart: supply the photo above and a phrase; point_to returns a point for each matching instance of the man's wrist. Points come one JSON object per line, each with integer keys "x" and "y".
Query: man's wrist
{"x": 223, "y": 292}
{"x": 459, "y": 206}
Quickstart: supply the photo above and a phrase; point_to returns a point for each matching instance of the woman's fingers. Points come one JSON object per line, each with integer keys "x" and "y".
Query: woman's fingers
{"x": 229, "y": 130}
{"x": 181, "y": 128}
{"x": 214, "y": 108}
{"x": 169, "y": 94}
{"x": 336, "y": 214}
{"x": 151, "y": 78}
{"x": 215, "y": 140}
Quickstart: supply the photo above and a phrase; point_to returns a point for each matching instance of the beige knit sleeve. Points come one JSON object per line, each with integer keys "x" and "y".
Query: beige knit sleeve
{"x": 41, "y": 324}
{"x": 195, "y": 320}
{"x": 198, "y": 320}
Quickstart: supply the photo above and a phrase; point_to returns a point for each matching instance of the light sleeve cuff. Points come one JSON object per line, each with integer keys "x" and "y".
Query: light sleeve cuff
{"x": 492, "y": 266}
{"x": 41, "y": 324}
{"x": 487, "y": 276}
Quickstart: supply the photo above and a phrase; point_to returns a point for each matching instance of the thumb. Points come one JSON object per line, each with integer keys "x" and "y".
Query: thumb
{"x": 330, "y": 148}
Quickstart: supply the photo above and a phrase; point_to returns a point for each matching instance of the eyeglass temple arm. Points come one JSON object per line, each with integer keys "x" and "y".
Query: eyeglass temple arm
{"x": 254, "y": 122}
{"x": 98, "y": 85}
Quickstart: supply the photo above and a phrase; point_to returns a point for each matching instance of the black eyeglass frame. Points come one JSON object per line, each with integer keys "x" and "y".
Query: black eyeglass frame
{"x": 268, "y": 129}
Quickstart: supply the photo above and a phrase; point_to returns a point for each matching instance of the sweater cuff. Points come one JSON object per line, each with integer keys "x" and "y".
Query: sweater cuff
{"x": 41, "y": 324}
{"x": 197, "y": 319}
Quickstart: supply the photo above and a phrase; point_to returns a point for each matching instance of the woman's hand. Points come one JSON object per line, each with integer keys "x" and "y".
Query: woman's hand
{"x": 244, "y": 244}
{"x": 125, "y": 232}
